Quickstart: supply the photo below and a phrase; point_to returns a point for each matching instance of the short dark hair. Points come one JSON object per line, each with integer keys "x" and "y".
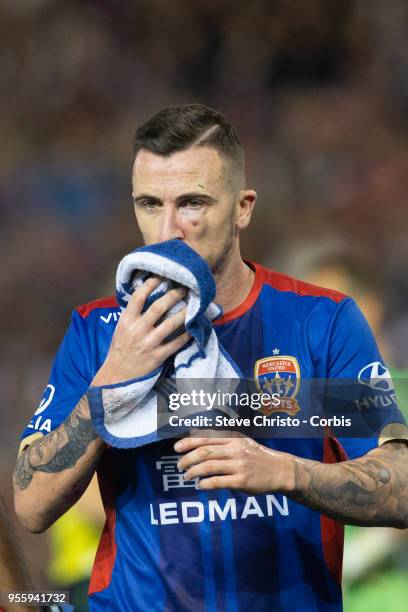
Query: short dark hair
{"x": 177, "y": 128}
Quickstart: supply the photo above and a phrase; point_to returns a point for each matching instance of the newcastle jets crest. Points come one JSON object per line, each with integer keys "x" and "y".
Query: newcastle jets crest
{"x": 279, "y": 375}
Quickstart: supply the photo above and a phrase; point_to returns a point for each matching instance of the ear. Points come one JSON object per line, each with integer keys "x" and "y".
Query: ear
{"x": 244, "y": 207}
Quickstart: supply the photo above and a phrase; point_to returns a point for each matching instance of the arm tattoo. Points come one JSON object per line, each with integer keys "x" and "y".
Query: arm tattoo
{"x": 59, "y": 450}
{"x": 371, "y": 490}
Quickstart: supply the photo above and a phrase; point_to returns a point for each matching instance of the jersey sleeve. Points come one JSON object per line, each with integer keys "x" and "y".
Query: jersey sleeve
{"x": 360, "y": 378}
{"x": 70, "y": 378}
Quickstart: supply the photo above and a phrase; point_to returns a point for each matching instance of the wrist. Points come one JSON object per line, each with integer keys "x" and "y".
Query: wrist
{"x": 288, "y": 473}
{"x": 300, "y": 478}
{"x": 107, "y": 375}
{"x": 280, "y": 470}
{"x": 295, "y": 474}
{"x": 114, "y": 373}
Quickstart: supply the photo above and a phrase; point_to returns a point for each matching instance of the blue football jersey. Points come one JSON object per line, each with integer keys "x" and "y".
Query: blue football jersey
{"x": 167, "y": 545}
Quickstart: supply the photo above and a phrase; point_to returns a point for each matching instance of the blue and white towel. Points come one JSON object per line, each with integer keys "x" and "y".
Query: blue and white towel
{"x": 125, "y": 415}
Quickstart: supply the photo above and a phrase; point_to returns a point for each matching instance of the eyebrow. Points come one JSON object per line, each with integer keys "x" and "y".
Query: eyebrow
{"x": 180, "y": 198}
{"x": 145, "y": 196}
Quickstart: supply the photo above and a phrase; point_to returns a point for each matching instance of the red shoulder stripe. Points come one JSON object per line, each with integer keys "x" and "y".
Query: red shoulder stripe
{"x": 282, "y": 282}
{"x": 278, "y": 281}
{"x": 108, "y": 302}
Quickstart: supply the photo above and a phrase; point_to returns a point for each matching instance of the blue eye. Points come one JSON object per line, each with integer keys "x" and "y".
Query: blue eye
{"x": 150, "y": 205}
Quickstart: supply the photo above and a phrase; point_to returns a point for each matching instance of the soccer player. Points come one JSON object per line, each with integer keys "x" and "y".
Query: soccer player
{"x": 204, "y": 523}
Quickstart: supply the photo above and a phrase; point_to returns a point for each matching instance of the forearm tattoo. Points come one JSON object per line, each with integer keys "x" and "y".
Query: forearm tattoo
{"x": 370, "y": 491}
{"x": 59, "y": 450}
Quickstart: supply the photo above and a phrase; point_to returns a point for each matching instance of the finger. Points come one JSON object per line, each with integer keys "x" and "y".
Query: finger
{"x": 187, "y": 444}
{"x": 169, "y": 348}
{"x": 220, "y": 482}
{"x": 203, "y": 453}
{"x": 139, "y": 296}
{"x": 169, "y": 326}
{"x": 163, "y": 304}
{"x": 209, "y": 468}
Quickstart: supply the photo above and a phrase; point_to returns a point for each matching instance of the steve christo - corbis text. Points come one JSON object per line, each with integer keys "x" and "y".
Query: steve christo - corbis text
{"x": 258, "y": 420}
{"x": 204, "y": 401}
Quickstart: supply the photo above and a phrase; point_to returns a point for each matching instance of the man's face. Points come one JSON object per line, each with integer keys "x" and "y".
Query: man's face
{"x": 190, "y": 195}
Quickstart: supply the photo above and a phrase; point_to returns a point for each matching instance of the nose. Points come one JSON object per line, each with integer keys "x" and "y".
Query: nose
{"x": 169, "y": 226}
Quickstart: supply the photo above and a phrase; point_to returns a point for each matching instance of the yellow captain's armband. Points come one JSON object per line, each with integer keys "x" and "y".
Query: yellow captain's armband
{"x": 393, "y": 431}
{"x": 29, "y": 440}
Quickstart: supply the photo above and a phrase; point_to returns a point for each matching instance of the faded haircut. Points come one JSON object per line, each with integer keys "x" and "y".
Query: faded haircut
{"x": 178, "y": 128}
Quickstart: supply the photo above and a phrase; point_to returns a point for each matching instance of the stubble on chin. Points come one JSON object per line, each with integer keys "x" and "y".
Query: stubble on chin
{"x": 219, "y": 261}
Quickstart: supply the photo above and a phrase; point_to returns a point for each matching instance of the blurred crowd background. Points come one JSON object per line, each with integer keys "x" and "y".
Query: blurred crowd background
{"x": 319, "y": 93}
